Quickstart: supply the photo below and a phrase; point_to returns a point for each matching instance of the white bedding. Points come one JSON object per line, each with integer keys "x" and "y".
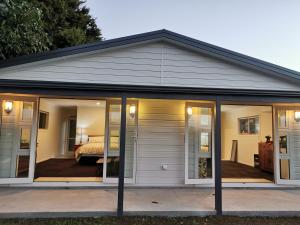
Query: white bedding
{"x": 94, "y": 148}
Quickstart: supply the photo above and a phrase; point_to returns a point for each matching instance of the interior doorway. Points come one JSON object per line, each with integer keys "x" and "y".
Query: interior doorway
{"x": 247, "y": 144}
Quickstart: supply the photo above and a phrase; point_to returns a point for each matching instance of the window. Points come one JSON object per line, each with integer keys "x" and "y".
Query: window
{"x": 249, "y": 125}
{"x": 44, "y": 119}
{"x": 27, "y": 111}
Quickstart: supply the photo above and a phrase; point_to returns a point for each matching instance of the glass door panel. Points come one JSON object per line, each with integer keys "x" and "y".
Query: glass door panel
{"x": 112, "y": 153}
{"x": 287, "y": 145}
{"x": 198, "y": 144}
{"x": 16, "y": 140}
{"x": 131, "y": 140}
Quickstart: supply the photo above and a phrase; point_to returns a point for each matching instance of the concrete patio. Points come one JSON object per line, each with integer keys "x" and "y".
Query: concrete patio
{"x": 25, "y": 202}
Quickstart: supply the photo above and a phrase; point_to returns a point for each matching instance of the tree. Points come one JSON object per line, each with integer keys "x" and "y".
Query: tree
{"x": 31, "y": 26}
{"x": 22, "y": 30}
{"x": 68, "y": 23}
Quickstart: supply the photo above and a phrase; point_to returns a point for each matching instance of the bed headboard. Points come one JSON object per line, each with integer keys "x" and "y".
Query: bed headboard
{"x": 95, "y": 138}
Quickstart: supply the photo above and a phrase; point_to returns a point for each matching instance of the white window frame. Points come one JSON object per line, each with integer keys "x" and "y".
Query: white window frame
{"x": 22, "y": 124}
{"x": 114, "y": 180}
{"x": 277, "y": 155}
{"x": 200, "y": 181}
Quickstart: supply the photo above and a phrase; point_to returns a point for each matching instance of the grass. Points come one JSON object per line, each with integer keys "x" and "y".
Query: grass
{"x": 212, "y": 220}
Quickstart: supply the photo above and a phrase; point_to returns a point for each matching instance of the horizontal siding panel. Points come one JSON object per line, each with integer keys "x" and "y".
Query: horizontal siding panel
{"x": 223, "y": 83}
{"x": 160, "y": 142}
{"x": 158, "y": 64}
{"x": 177, "y": 152}
{"x": 157, "y": 167}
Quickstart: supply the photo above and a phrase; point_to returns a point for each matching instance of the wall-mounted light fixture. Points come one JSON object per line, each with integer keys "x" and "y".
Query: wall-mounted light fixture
{"x": 132, "y": 110}
{"x": 8, "y": 106}
{"x": 189, "y": 111}
{"x": 297, "y": 116}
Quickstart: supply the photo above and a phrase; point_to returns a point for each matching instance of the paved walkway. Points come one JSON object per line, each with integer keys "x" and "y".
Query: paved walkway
{"x": 24, "y": 202}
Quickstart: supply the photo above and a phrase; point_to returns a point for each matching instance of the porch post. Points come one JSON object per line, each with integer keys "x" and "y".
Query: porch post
{"x": 122, "y": 157}
{"x": 218, "y": 178}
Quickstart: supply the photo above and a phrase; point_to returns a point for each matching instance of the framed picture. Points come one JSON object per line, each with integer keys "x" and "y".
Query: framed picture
{"x": 249, "y": 125}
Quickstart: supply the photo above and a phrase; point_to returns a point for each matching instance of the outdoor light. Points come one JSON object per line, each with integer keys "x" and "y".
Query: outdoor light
{"x": 8, "y": 106}
{"x": 132, "y": 110}
{"x": 189, "y": 111}
{"x": 297, "y": 116}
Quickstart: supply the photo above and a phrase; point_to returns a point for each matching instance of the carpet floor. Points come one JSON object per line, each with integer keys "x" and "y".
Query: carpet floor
{"x": 66, "y": 168}
{"x": 239, "y": 170}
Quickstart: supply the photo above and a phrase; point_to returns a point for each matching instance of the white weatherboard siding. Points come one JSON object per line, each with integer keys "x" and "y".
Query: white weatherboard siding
{"x": 158, "y": 64}
{"x": 160, "y": 142}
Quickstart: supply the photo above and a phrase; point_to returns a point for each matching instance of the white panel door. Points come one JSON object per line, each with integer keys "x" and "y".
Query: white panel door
{"x": 18, "y": 128}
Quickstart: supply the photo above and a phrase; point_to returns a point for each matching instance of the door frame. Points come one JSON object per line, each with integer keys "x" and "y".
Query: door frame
{"x": 207, "y": 181}
{"x": 278, "y": 180}
{"x": 67, "y": 135}
{"x": 33, "y": 138}
{"x": 114, "y": 180}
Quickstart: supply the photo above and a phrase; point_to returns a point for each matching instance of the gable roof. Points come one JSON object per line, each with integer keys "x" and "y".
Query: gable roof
{"x": 165, "y": 35}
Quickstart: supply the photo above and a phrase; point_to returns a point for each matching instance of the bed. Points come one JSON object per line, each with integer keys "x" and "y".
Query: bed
{"x": 95, "y": 147}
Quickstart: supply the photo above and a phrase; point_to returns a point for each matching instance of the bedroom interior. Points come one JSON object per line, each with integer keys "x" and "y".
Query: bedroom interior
{"x": 71, "y": 140}
{"x": 247, "y": 144}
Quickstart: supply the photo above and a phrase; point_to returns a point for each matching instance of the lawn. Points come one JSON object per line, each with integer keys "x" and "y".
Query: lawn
{"x": 213, "y": 220}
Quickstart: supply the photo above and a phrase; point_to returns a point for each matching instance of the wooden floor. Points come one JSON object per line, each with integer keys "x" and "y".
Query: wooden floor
{"x": 236, "y": 171}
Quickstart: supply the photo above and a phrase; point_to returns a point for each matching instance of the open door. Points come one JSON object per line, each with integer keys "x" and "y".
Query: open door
{"x": 199, "y": 143}
{"x": 287, "y": 145}
{"x": 112, "y": 143}
{"x": 17, "y": 139}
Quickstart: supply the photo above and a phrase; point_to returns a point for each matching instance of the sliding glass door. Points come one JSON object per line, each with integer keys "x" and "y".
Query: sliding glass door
{"x": 198, "y": 143}
{"x": 112, "y": 143}
{"x": 287, "y": 145}
{"x": 17, "y": 139}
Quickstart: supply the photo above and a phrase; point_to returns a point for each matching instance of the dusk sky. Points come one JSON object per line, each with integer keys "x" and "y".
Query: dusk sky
{"x": 268, "y": 29}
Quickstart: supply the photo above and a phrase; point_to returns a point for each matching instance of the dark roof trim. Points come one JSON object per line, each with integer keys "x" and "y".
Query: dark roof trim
{"x": 49, "y": 87}
{"x": 164, "y": 35}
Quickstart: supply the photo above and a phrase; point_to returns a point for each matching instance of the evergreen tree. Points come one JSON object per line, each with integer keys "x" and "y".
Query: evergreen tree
{"x": 68, "y": 22}
{"x": 31, "y": 26}
{"x": 21, "y": 29}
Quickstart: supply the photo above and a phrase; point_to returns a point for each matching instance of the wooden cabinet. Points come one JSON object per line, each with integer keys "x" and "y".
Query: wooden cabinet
{"x": 266, "y": 156}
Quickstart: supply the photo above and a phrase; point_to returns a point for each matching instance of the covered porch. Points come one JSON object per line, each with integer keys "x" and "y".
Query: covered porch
{"x": 89, "y": 202}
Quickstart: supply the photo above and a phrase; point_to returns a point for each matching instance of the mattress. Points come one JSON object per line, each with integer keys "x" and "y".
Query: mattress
{"x": 90, "y": 149}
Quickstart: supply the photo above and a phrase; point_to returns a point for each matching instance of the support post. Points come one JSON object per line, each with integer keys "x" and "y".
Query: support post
{"x": 122, "y": 158}
{"x": 218, "y": 177}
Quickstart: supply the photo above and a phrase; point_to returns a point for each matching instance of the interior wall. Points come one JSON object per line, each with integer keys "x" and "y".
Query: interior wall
{"x": 92, "y": 122}
{"x": 49, "y": 140}
{"x": 247, "y": 144}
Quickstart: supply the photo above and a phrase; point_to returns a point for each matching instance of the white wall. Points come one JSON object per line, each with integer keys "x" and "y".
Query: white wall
{"x": 158, "y": 64}
{"x": 247, "y": 144}
{"x": 92, "y": 120}
{"x": 49, "y": 140}
{"x": 160, "y": 142}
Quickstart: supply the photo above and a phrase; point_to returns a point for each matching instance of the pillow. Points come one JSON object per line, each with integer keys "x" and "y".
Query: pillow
{"x": 96, "y": 139}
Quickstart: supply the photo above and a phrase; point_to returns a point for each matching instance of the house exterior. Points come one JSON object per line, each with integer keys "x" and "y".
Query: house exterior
{"x": 169, "y": 91}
